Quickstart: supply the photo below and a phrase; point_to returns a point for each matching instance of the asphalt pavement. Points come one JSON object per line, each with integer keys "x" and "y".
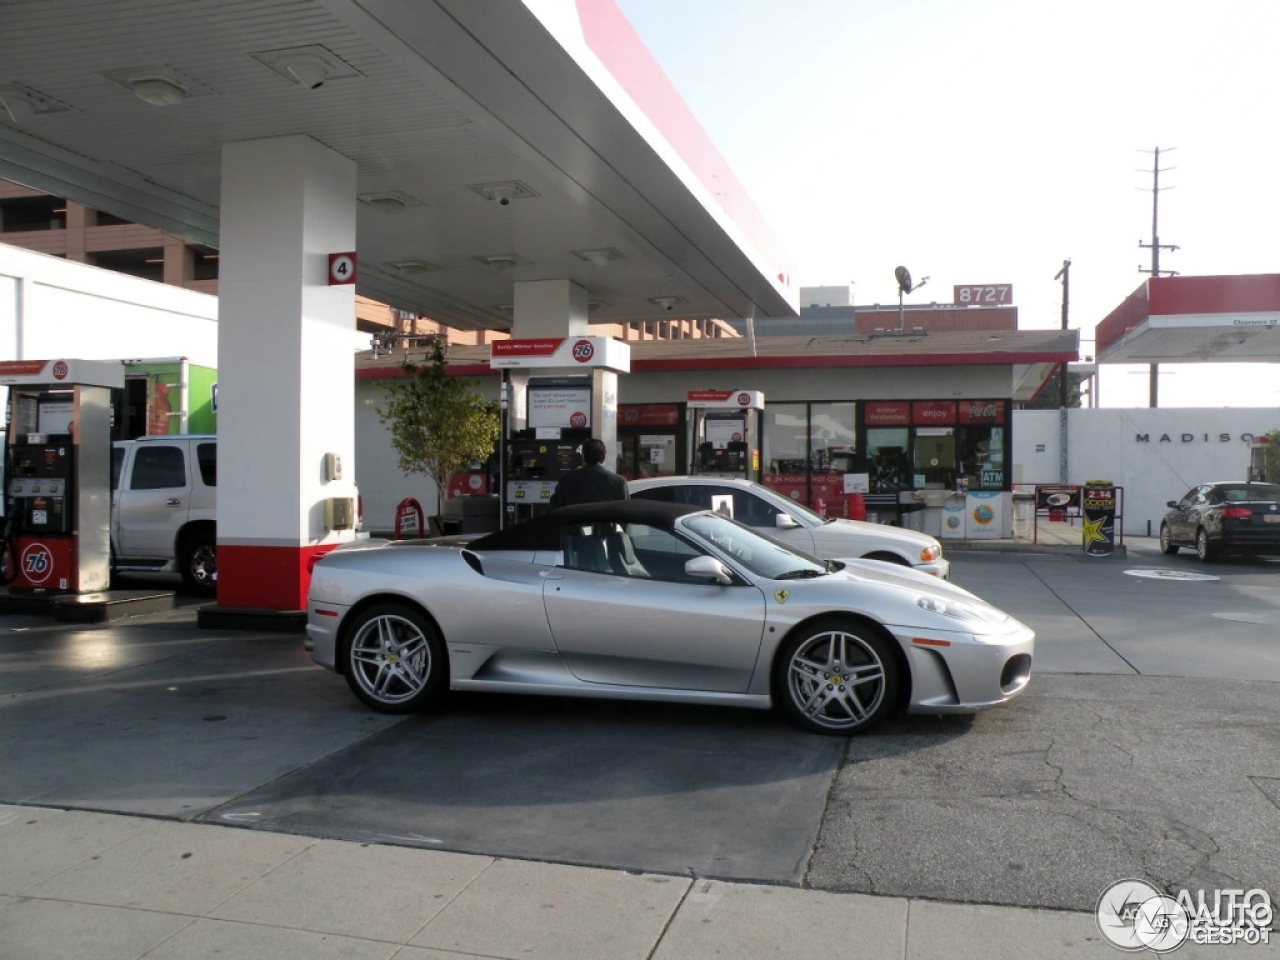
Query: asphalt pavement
{"x": 1146, "y": 746}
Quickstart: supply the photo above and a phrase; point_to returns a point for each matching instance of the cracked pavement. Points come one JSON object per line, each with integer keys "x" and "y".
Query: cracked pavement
{"x": 1098, "y": 772}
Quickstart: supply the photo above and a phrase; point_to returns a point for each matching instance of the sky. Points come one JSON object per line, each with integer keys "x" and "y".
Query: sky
{"x": 987, "y": 141}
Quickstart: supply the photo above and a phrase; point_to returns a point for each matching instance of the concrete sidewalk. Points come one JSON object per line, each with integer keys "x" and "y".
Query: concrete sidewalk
{"x": 90, "y": 885}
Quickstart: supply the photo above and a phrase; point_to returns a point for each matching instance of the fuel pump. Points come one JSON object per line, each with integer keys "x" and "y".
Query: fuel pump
{"x": 573, "y": 399}
{"x": 725, "y": 427}
{"x": 58, "y": 474}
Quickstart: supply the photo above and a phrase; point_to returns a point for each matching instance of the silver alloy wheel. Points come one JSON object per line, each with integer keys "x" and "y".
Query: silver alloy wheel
{"x": 1203, "y": 549}
{"x": 836, "y": 680}
{"x": 390, "y": 659}
{"x": 1165, "y": 545}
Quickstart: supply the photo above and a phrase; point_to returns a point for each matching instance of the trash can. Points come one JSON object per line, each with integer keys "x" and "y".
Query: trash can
{"x": 1024, "y": 502}
{"x": 1098, "y": 526}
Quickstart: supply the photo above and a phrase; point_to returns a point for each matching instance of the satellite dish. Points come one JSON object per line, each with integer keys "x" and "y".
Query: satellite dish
{"x": 904, "y": 279}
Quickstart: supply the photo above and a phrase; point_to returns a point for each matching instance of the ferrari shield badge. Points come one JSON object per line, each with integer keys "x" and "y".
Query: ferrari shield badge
{"x": 781, "y": 595}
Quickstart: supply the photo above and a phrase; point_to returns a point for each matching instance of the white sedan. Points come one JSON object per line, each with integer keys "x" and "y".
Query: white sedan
{"x": 797, "y": 526}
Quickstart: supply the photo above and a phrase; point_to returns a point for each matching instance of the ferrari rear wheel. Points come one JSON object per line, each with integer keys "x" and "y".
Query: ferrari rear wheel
{"x": 395, "y": 659}
{"x": 837, "y": 677}
{"x": 1205, "y": 549}
{"x": 1166, "y": 545}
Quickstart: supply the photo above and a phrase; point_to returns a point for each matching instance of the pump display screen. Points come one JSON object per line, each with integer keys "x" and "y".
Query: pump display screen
{"x": 40, "y": 460}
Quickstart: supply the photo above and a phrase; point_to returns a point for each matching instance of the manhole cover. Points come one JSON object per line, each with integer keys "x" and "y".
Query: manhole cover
{"x": 1266, "y": 617}
{"x": 1161, "y": 573}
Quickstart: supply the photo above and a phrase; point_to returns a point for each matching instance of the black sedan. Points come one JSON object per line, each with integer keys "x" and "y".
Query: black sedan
{"x": 1230, "y": 516}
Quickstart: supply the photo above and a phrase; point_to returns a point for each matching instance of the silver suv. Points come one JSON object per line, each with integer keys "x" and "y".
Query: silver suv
{"x": 163, "y": 499}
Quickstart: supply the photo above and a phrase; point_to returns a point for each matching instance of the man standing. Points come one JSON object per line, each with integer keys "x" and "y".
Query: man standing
{"x": 590, "y": 482}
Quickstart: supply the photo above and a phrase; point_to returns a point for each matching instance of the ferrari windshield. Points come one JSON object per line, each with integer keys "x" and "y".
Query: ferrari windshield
{"x": 760, "y": 555}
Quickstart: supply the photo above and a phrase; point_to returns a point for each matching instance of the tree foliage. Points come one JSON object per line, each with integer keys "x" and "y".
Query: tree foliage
{"x": 1271, "y": 457}
{"x": 1048, "y": 398}
{"x": 439, "y": 423}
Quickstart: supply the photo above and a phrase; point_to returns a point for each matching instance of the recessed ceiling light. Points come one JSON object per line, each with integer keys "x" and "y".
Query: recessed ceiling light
{"x": 390, "y": 201}
{"x": 311, "y": 66}
{"x": 158, "y": 91}
{"x": 413, "y": 266}
{"x": 599, "y": 257}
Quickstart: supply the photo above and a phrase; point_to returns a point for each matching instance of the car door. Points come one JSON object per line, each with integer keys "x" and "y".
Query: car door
{"x": 1194, "y": 516}
{"x": 153, "y": 500}
{"x": 1181, "y": 528}
{"x": 641, "y": 621}
{"x": 759, "y": 514}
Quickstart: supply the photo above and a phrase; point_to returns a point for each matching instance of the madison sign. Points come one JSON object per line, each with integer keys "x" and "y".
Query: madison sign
{"x": 1191, "y": 437}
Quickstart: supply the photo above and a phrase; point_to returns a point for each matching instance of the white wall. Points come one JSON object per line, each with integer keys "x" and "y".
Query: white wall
{"x": 51, "y": 308}
{"x": 1183, "y": 447}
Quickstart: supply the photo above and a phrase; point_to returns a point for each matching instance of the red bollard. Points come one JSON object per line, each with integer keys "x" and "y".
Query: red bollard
{"x": 857, "y": 507}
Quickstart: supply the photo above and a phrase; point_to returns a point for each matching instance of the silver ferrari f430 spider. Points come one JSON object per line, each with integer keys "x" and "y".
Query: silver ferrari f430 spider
{"x": 653, "y": 601}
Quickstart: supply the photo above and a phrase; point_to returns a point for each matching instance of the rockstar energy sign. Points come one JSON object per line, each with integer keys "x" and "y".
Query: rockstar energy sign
{"x": 1099, "y": 524}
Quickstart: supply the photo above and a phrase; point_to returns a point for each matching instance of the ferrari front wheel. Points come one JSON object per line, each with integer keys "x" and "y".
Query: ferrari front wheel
{"x": 837, "y": 677}
{"x": 394, "y": 659}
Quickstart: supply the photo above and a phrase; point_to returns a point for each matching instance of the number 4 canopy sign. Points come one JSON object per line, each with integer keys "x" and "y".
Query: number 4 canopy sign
{"x": 342, "y": 268}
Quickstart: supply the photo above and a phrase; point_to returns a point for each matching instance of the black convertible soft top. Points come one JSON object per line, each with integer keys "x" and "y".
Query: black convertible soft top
{"x": 543, "y": 533}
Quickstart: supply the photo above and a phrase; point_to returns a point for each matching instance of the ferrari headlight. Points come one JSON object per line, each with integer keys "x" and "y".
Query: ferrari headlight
{"x": 930, "y": 553}
{"x": 959, "y": 610}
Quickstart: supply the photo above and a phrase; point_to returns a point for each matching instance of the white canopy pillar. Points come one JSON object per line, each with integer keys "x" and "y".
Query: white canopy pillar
{"x": 285, "y": 365}
{"x": 549, "y": 308}
{"x": 557, "y": 309}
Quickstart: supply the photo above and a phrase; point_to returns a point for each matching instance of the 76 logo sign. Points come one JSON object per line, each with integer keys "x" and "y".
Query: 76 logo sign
{"x": 37, "y": 563}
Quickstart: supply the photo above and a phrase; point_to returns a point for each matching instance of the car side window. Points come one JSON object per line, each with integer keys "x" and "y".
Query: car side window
{"x": 1200, "y": 496}
{"x": 158, "y": 468}
{"x": 662, "y": 554}
{"x": 660, "y": 494}
{"x": 602, "y": 548}
{"x": 1188, "y": 497}
{"x": 753, "y": 511}
{"x": 207, "y": 458}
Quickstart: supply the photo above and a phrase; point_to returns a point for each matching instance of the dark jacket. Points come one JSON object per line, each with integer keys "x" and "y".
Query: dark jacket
{"x": 587, "y": 485}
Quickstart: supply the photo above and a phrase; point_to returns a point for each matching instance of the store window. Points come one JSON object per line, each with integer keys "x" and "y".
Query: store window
{"x": 980, "y": 444}
{"x": 786, "y": 439}
{"x": 889, "y": 469}
{"x": 936, "y": 444}
{"x": 809, "y": 448}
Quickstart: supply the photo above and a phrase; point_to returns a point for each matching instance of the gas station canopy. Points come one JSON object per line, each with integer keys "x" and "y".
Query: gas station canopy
{"x": 495, "y": 142}
{"x": 1195, "y": 319}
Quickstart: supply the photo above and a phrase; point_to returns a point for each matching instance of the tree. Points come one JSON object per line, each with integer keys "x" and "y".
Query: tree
{"x": 439, "y": 424}
{"x": 1048, "y": 397}
{"x": 1271, "y": 458}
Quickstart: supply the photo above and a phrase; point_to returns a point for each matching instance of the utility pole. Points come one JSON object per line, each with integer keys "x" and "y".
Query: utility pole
{"x": 1065, "y": 276}
{"x": 1155, "y": 247}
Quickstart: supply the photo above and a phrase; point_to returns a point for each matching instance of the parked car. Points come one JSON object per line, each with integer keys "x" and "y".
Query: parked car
{"x": 783, "y": 519}
{"x": 638, "y": 600}
{"x": 1227, "y": 516}
{"x": 163, "y": 507}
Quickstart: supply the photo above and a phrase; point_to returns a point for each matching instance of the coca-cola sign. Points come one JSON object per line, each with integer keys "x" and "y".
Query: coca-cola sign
{"x": 981, "y": 411}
